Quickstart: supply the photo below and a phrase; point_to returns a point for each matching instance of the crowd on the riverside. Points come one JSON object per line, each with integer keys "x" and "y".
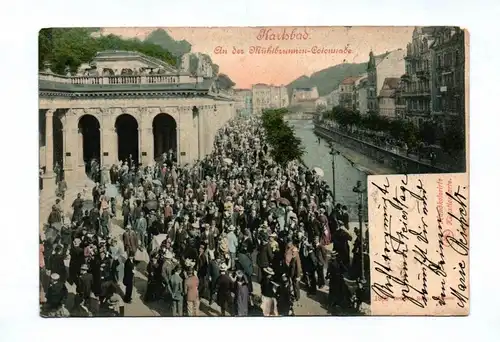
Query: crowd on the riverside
{"x": 205, "y": 231}
{"x": 421, "y": 152}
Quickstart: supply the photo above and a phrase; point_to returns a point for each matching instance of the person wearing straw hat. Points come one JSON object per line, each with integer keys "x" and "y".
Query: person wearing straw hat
{"x": 115, "y": 305}
{"x": 57, "y": 293}
{"x": 224, "y": 286}
{"x": 232, "y": 243}
{"x": 268, "y": 289}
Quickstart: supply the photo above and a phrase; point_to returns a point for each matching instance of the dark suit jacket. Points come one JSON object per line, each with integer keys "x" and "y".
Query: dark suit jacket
{"x": 84, "y": 285}
{"x": 265, "y": 255}
{"x": 128, "y": 273}
{"x": 224, "y": 287}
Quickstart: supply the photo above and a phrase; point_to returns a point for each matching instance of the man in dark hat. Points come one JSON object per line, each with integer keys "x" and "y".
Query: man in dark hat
{"x": 84, "y": 286}
{"x": 265, "y": 254}
{"x": 128, "y": 277}
{"x": 321, "y": 258}
{"x": 224, "y": 286}
{"x": 335, "y": 274}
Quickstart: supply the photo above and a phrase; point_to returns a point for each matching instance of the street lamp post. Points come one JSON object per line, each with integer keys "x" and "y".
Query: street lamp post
{"x": 333, "y": 153}
{"x": 359, "y": 190}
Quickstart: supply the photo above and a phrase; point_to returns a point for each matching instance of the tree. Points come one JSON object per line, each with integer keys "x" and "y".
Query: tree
{"x": 454, "y": 139}
{"x": 193, "y": 64}
{"x": 224, "y": 81}
{"x": 161, "y": 38}
{"x": 285, "y": 146}
{"x": 410, "y": 134}
{"x": 70, "y": 47}
{"x": 427, "y": 132}
{"x": 397, "y": 128}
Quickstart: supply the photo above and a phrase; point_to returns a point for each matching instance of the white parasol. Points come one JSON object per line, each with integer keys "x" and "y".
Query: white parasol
{"x": 228, "y": 161}
{"x": 319, "y": 171}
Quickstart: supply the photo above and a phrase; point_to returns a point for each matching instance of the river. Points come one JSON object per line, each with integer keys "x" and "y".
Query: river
{"x": 346, "y": 173}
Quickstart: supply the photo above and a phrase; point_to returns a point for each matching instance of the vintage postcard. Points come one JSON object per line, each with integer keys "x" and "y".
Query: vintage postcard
{"x": 253, "y": 171}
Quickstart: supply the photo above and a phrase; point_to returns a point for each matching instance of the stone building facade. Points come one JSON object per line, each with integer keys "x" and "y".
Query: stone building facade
{"x": 304, "y": 94}
{"x": 387, "y": 98}
{"x": 109, "y": 117}
{"x": 243, "y": 98}
{"x": 419, "y": 75}
{"x": 361, "y": 94}
{"x": 389, "y": 64}
{"x": 266, "y": 96}
{"x": 346, "y": 93}
{"x": 448, "y": 97}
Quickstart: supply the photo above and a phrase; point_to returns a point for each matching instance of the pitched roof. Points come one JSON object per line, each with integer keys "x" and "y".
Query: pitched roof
{"x": 391, "y": 82}
{"x": 390, "y": 86}
{"x": 350, "y": 80}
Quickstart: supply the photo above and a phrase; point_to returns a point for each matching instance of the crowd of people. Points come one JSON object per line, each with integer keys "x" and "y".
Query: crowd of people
{"x": 422, "y": 152}
{"x": 210, "y": 231}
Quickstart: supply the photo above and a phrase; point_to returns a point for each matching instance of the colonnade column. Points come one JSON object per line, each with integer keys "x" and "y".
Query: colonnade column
{"x": 199, "y": 133}
{"x": 70, "y": 146}
{"x": 115, "y": 145}
{"x": 147, "y": 145}
{"x": 186, "y": 130}
{"x": 158, "y": 141}
{"x": 80, "y": 162}
{"x": 139, "y": 147}
{"x": 208, "y": 123}
{"x": 107, "y": 149}
{"x": 49, "y": 184}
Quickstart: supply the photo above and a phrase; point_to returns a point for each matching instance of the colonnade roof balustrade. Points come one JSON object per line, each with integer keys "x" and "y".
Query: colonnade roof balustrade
{"x": 50, "y": 84}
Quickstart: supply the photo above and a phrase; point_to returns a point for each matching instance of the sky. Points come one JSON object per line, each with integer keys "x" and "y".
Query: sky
{"x": 236, "y": 49}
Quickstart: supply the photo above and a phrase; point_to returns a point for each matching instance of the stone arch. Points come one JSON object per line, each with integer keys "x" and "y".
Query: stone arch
{"x": 164, "y": 134}
{"x": 90, "y": 128}
{"x": 127, "y": 129}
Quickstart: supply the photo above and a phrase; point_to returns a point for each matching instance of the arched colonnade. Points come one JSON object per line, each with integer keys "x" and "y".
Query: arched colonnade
{"x": 73, "y": 137}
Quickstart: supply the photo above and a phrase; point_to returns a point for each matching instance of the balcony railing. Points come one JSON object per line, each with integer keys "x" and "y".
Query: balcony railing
{"x": 423, "y": 74}
{"x": 415, "y": 93}
{"x": 122, "y": 79}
